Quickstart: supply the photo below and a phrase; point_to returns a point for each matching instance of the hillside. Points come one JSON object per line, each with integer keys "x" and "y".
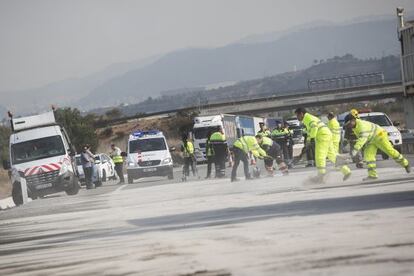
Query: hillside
{"x": 239, "y": 62}
{"x": 278, "y": 84}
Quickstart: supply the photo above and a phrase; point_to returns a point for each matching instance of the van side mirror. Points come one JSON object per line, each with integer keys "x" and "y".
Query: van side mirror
{"x": 172, "y": 149}
{"x": 396, "y": 123}
{"x": 72, "y": 151}
{"x": 6, "y": 165}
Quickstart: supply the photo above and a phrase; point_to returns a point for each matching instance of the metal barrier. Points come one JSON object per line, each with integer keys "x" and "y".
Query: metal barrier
{"x": 408, "y": 146}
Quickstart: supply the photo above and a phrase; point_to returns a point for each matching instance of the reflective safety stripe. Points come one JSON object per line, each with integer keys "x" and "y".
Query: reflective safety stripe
{"x": 371, "y": 169}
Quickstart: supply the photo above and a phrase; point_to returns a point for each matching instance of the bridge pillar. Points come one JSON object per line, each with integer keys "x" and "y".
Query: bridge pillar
{"x": 408, "y": 104}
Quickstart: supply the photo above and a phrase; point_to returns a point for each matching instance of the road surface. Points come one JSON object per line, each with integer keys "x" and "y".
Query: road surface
{"x": 268, "y": 226}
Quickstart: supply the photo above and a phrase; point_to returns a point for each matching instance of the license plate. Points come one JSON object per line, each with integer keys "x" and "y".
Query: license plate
{"x": 43, "y": 186}
{"x": 150, "y": 169}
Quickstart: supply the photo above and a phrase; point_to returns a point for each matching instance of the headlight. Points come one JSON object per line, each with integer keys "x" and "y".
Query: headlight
{"x": 64, "y": 169}
{"x": 166, "y": 161}
{"x": 393, "y": 134}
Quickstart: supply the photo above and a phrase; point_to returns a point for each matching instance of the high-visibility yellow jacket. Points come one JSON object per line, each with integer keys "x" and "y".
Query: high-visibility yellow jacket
{"x": 266, "y": 142}
{"x": 312, "y": 124}
{"x": 188, "y": 150}
{"x": 335, "y": 128}
{"x": 249, "y": 143}
{"x": 366, "y": 132}
{"x": 265, "y": 133}
{"x": 116, "y": 156}
{"x": 209, "y": 148}
{"x": 217, "y": 137}
{"x": 280, "y": 134}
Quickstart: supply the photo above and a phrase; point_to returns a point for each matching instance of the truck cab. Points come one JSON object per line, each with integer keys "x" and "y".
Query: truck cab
{"x": 41, "y": 153}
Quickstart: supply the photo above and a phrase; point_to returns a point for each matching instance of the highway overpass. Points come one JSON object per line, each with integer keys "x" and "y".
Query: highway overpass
{"x": 306, "y": 99}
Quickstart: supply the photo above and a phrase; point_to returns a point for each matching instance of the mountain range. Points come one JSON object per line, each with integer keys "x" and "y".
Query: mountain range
{"x": 249, "y": 58}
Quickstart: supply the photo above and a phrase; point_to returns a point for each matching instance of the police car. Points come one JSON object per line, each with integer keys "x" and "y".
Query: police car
{"x": 148, "y": 155}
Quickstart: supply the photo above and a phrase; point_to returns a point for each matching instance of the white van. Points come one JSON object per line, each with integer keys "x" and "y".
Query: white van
{"x": 148, "y": 155}
{"x": 40, "y": 152}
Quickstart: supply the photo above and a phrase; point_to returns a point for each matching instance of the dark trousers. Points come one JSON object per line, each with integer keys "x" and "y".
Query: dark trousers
{"x": 290, "y": 149}
{"x": 240, "y": 155}
{"x": 276, "y": 152}
{"x": 189, "y": 161}
{"x": 88, "y": 176}
{"x": 220, "y": 156}
{"x": 284, "y": 148}
{"x": 119, "y": 168}
{"x": 210, "y": 161}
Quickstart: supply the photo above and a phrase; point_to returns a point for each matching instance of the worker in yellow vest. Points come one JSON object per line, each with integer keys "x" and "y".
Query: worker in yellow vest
{"x": 241, "y": 149}
{"x": 373, "y": 137}
{"x": 317, "y": 130}
{"x": 187, "y": 149}
{"x": 118, "y": 161}
{"x": 335, "y": 128}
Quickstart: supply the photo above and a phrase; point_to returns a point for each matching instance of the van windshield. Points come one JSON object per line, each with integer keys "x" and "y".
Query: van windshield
{"x": 144, "y": 145}
{"x": 37, "y": 149}
{"x": 380, "y": 120}
{"x": 201, "y": 132}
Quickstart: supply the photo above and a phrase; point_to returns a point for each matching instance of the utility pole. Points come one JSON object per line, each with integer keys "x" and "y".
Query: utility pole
{"x": 406, "y": 38}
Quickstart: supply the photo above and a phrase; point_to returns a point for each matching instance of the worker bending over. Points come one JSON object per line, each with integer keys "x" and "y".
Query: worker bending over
{"x": 273, "y": 150}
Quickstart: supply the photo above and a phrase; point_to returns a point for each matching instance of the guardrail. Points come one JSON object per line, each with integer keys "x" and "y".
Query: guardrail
{"x": 408, "y": 145}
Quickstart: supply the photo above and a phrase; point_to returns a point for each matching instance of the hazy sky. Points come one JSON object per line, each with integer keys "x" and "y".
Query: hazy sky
{"x": 48, "y": 40}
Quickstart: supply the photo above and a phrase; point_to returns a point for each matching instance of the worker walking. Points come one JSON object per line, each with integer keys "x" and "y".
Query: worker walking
{"x": 373, "y": 137}
{"x": 273, "y": 150}
{"x": 116, "y": 156}
{"x": 317, "y": 130}
{"x": 209, "y": 154}
{"x": 220, "y": 148}
{"x": 241, "y": 149}
{"x": 335, "y": 128}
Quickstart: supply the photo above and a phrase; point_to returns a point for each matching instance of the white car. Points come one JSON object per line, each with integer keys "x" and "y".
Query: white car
{"x": 103, "y": 169}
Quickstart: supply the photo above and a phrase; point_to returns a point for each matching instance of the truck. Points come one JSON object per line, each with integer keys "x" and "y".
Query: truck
{"x": 205, "y": 124}
{"x": 234, "y": 126}
{"x": 41, "y": 153}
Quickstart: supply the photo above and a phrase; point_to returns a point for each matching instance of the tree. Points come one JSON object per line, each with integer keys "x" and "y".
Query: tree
{"x": 80, "y": 128}
{"x": 4, "y": 142}
{"x": 114, "y": 113}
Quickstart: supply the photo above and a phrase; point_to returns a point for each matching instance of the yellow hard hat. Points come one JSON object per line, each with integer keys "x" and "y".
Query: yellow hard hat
{"x": 354, "y": 113}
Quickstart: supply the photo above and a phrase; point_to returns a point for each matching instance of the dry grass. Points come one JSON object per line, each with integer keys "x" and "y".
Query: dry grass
{"x": 5, "y": 186}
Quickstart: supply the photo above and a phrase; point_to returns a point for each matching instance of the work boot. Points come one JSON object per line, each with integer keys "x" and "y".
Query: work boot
{"x": 346, "y": 176}
{"x": 407, "y": 168}
{"x": 368, "y": 178}
{"x": 235, "y": 179}
{"x": 359, "y": 165}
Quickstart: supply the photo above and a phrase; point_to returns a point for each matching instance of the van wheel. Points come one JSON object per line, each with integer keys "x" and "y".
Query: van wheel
{"x": 74, "y": 189}
{"x": 103, "y": 176}
{"x": 171, "y": 175}
{"x": 130, "y": 180}
{"x": 17, "y": 194}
